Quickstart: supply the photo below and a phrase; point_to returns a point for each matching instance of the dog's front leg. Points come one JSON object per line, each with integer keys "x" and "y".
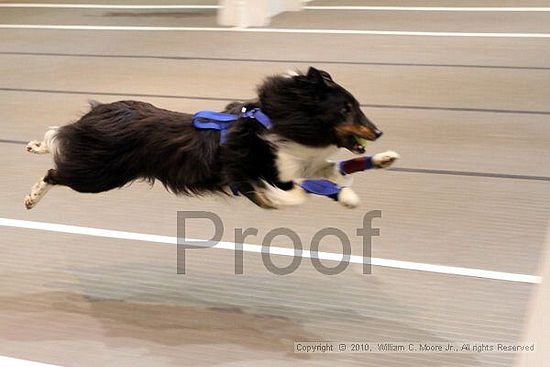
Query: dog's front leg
{"x": 282, "y": 194}
{"x": 331, "y": 171}
{"x": 384, "y": 159}
{"x": 340, "y": 173}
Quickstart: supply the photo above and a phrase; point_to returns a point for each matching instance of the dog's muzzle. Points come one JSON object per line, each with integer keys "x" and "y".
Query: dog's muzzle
{"x": 355, "y": 137}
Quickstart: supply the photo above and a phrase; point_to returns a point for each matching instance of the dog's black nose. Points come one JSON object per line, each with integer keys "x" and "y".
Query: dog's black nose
{"x": 378, "y": 133}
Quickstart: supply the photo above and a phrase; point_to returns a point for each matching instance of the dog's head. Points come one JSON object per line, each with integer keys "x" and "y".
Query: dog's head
{"x": 312, "y": 109}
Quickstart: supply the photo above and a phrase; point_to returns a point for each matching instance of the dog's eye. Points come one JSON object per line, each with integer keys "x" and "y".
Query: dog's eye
{"x": 345, "y": 110}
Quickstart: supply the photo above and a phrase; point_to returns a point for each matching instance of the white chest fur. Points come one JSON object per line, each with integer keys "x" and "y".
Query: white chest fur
{"x": 295, "y": 161}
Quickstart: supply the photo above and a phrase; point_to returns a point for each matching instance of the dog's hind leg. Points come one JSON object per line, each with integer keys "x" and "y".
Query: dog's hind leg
{"x": 40, "y": 189}
{"x": 44, "y": 146}
{"x": 37, "y": 147}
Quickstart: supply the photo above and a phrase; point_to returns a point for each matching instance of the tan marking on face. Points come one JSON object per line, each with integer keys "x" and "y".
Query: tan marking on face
{"x": 357, "y": 130}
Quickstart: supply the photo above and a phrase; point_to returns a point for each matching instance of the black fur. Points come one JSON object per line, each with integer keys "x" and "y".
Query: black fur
{"x": 117, "y": 143}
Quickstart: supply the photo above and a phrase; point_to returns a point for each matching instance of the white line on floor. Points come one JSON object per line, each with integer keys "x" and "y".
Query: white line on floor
{"x": 98, "y": 232}
{"x": 352, "y": 8}
{"x": 106, "y": 6}
{"x": 273, "y": 30}
{"x": 430, "y": 8}
{"x": 15, "y": 362}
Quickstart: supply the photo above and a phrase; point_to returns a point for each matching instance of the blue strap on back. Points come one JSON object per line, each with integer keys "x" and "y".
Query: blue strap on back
{"x": 221, "y": 121}
{"x": 214, "y": 121}
{"x": 261, "y": 117}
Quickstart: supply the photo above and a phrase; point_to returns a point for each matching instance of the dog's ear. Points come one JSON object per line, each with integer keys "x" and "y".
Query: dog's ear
{"x": 319, "y": 76}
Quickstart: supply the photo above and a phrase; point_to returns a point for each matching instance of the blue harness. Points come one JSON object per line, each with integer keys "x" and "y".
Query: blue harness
{"x": 222, "y": 121}
{"x": 209, "y": 120}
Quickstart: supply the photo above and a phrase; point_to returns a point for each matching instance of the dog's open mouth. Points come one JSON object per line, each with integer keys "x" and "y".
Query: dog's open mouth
{"x": 355, "y": 138}
{"x": 353, "y": 143}
{"x": 360, "y": 144}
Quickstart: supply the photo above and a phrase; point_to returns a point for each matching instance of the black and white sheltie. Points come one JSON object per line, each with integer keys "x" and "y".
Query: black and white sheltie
{"x": 116, "y": 143}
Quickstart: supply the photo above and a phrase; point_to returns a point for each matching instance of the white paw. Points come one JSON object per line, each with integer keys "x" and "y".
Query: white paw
{"x": 29, "y": 202}
{"x": 348, "y": 198}
{"x": 36, "y": 147}
{"x": 38, "y": 191}
{"x": 385, "y": 159}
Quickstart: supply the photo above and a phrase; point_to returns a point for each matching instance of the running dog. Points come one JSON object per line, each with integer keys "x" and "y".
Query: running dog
{"x": 310, "y": 117}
